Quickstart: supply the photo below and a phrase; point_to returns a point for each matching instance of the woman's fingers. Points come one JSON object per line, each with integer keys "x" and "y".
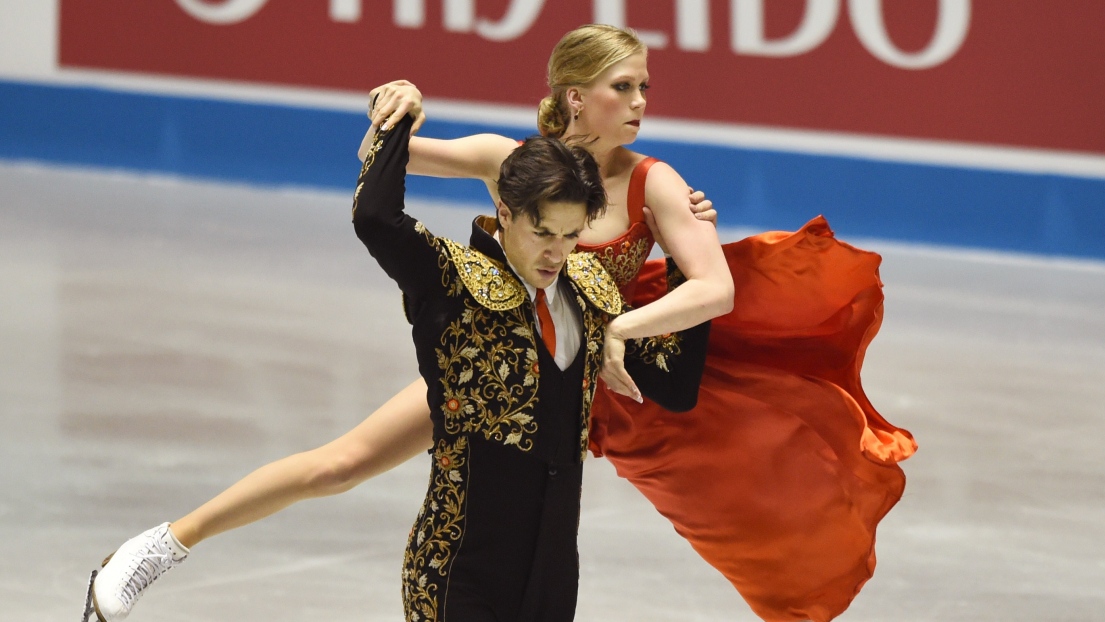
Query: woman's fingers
{"x": 618, "y": 381}
{"x": 392, "y": 101}
{"x": 418, "y": 121}
{"x": 386, "y": 108}
{"x": 613, "y": 369}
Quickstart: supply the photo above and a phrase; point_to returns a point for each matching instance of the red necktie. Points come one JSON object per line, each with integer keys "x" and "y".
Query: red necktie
{"x": 548, "y": 329}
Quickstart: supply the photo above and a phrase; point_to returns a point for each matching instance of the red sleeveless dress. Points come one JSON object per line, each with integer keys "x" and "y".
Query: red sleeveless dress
{"x": 780, "y": 475}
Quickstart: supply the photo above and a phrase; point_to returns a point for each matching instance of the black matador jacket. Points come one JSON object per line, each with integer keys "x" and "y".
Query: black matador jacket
{"x": 496, "y": 536}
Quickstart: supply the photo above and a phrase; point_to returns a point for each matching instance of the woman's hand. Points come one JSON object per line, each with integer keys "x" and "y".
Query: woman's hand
{"x": 391, "y": 101}
{"x": 613, "y": 371}
{"x": 701, "y": 207}
{"x": 387, "y": 105}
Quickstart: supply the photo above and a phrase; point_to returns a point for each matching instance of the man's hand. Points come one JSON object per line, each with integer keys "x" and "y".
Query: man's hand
{"x": 613, "y": 371}
{"x": 702, "y": 208}
{"x": 391, "y": 101}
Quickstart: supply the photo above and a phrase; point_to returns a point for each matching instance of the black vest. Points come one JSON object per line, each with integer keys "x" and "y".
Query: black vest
{"x": 559, "y": 398}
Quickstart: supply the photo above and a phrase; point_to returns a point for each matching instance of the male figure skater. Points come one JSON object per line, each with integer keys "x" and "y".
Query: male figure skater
{"x": 509, "y": 337}
{"x": 509, "y": 334}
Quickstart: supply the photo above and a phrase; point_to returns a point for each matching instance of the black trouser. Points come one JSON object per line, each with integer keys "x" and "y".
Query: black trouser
{"x": 516, "y": 559}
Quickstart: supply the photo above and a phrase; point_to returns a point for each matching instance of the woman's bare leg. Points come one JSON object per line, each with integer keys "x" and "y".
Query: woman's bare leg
{"x": 394, "y": 433}
{"x": 397, "y": 431}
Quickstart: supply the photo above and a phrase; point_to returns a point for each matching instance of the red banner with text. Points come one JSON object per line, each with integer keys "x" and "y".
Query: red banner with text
{"x": 1026, "y": 73}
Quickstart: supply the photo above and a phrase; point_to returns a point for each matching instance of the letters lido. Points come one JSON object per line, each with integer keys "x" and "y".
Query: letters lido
{"x": 690, "y": 28}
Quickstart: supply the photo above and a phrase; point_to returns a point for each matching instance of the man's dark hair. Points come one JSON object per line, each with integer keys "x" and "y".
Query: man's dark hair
{"x": 545, "y": 169}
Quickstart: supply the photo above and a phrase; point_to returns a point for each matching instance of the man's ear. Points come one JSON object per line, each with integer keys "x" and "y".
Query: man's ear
{"x": 504, "y": 216}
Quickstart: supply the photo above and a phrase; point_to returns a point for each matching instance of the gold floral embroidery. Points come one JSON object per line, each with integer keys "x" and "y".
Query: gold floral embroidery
{"x": 595, "y": 282}
{"x": 655, "y": 350}
{"x": 357, "y": 197}
{"x": 623, "y": 261}
{"x": 675, "y": 275}
{"x": 453, "y": 287}
{"x": 594, "y": 331}
{"x": 440, "y": 524}
{"x": 489, "y": 384}
{"x": 491, "y": 284}
{"x": 370, "y": 159}
{"x": 377, "y": 144}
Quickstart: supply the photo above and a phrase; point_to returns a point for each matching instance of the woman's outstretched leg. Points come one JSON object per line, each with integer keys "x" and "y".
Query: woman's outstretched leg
{"x": 396, "y": 432}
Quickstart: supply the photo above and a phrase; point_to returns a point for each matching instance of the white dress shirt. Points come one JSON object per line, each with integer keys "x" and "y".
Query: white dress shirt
{"x": 565, "y": 317}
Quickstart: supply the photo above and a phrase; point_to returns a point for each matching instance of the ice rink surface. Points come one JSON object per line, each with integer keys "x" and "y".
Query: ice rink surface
{"x": 162, "y": 338}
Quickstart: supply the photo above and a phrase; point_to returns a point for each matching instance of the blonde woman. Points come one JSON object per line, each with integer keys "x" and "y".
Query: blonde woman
{"x": 781, "y": 417}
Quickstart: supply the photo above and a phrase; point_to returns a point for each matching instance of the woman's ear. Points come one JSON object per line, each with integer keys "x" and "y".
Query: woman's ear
{"x": 574, "y": 97}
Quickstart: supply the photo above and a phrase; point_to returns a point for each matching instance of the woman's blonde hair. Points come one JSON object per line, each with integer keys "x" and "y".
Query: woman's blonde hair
{"x": 580, "y": 57}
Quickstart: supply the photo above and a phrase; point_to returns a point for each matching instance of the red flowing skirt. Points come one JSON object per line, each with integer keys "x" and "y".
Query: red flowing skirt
{"x": 780, "y": 475}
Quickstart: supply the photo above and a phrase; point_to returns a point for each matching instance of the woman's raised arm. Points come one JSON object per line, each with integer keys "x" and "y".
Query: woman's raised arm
{"x": 470, "y": 157}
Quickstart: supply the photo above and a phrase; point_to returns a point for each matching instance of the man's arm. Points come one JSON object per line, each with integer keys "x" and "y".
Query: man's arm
{"x": 668, "y": 368}
{"x": 404, "y": 249}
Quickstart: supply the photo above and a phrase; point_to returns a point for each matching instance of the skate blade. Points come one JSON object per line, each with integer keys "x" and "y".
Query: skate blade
{"x": 90, "y": 612}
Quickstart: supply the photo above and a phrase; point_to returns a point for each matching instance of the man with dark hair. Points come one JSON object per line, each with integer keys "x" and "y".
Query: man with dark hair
{"x": 509, "y": 335}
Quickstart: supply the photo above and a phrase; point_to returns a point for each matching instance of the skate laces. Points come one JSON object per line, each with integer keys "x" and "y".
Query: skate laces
{"x": 151, "y": 564}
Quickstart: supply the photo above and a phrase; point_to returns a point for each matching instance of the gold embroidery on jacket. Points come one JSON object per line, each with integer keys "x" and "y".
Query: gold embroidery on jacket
{"x": 370, "y": 159}
{"x": 659, "y": 349}
{"x": 655, "y": 350}
{"x": 440, "y": 524}
{"x": 357, "y": 197}
{"x": 675, "y": 275}
{"x": 452, "y": 286}
{"x": 489, "y": 382}
{"x": 594, "y": 331}
{"x": 595, "y": 282}
{"x": 489, "y": 282}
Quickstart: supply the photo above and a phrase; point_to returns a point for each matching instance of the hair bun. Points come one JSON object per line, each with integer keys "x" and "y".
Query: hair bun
{"x": 551, "y": 120}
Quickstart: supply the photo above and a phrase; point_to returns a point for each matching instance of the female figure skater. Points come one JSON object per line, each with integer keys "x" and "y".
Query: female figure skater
{"x": 780, "y": 475}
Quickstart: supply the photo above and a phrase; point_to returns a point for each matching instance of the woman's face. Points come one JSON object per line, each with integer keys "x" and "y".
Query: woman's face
{"x": 614, "y": 103}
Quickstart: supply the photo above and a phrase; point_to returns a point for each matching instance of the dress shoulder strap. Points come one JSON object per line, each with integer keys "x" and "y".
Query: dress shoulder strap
{"x": 635, "y": 202}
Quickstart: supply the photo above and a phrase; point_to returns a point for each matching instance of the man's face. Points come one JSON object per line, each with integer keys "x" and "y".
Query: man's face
{"x": 538, "y": 251}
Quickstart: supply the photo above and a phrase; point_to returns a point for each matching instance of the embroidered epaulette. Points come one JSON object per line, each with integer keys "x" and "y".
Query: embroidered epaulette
{"x": 491, "y": 284}
{"x": 596, "y": 283}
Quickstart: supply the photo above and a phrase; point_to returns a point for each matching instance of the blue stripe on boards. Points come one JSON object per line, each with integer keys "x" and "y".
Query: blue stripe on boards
{"x": 188, "y": 136}
{"x": 1023, "y": 212}
{"x": 287, "y": 145}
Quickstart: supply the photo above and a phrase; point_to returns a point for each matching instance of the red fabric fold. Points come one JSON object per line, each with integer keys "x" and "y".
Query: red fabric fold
{"x": 780, "y": 475}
